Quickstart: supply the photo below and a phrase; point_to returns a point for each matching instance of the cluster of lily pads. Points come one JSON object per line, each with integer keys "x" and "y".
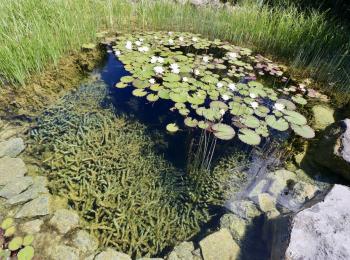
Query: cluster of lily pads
{"x": 214, "y": 85}
{"x": 12, "y": 245}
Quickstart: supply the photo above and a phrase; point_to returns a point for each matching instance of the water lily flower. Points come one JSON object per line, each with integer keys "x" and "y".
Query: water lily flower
{"x": 279, "y": 106}
{"x": 128, "y": 45}
{"x": 181, "y": 39}
{"x": 138, "y": 43}
{"x": 171, "y": 41}
{"x": 196, "y": 72}
{"x": 252, "y": 95}
{"x": 254, "y": 104}
{"x": 232, "y": 55}
{"x": 225, "y": 97}
{"x": 222, "y": 112}
{"x": 194, "y": 39}
{"x": 176, "y": 71}
{"x": 154, "y": 59}
{"x": 174, "y": 66}
{"x": 184, "y": 79}
{"x": 160, "y": 59}
{"x": 152, "y": 80}
{"x": 158, "y": 69}
{"x": 117, "y": 52}
{"x": 170, "y": 33}
{"x": 141, "y": 39}
{"x": 143, "y": 49}
{"x": 206, "y": 59}
{"x": 232, "y": 86}
{"x": 219, "y": 85}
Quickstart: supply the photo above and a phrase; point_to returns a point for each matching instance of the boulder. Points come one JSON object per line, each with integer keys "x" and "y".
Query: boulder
{"x": 10, "y": 169}
{"x": 244, "y": 208}
{"x": 85, "y": 242}
{"x": 11, "y": 147}
{"x": 219, "y": 245}
{"x": 333, "y": 149}
{"x": 32, "y": 226}
{"x": 322, "y": 231}
{"x": 235, "y": 224}
{"x": 64, "y": 220}
{"x": 15, "y": 187}
{"x": 63, "y": 252}
{"x": 35, "y": 208}
{"x": 182, "y": 251}
{"x": 111, "y": 254}
{"x": 267, "y": 204}
{"x": 323, "y": 116}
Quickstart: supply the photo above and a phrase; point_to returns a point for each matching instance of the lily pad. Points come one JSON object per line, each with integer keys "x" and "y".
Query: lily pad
{"x": 304, "y": 131}
{"x": 279, "y": 124}
{"x": 172, "y": 128}
{"x": 139, "y": 93}
{"x": 249, "y": 136}
{"x": 223, "y": 131}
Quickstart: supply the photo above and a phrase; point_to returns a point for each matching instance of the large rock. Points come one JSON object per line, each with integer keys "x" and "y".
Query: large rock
{"x": 11, "y": 147}
{"x": 64, "y": 220}
{"x": 10, "y": 169}
{"x": 219, "y": 245}
{"x": 111, "y": 254}
{"x": 63, "y": 252}
{"x": 32, "y": 226}
{"x": 182, "y": 251}
{"x": 333, "y": 149}
{"x": 244, "y": 208}
{"x": 35, "y": 208}
{"x": 323, "y": 116}
{"x": 15, "y": 187}
{"x": 85, "y": 242}
{"x": 322, "y": 232}
{"x": 236, "y": 225}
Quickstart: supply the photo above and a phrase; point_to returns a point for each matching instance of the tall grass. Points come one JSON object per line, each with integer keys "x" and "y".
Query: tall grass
{"x": 35, "y": 32}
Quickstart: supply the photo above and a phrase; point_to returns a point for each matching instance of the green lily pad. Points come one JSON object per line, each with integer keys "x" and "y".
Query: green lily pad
{"x": 294, "y": 117}
{"x": 121, "y": 85}
{"x": 152, "y": 97}
{"x": 172, "y": 128}
{"x": 250, "y": 121}
{"x": 249, "y": 136}
{"x": 126, "y": 79}
{"x": 26, "y": 253}
{"x": 279, "y": 124}
{"x": 304, "y": 131}
{"x": 139, "y": 93}
{"x": 190, "y": 122}
{"x": 300, "y": 100}
{"x": 223, "y": 131}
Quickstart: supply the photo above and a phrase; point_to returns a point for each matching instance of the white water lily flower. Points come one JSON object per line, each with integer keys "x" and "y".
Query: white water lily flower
{"x": 141, "y": 39}
{"x": 219, "y": 85}
{"x": 181, "y": 39}
{"x": 196, "y": 72}
{"x": 222, "y": 112}
{"x": 152, "y": 80}
{"x": 143, "y": 49}
{"x": 170, "y": 33}
{"x": 184, "y": 79}
{"x": 174, "y": 66}
{"x": 154, "y": 59}
{"x": 279, "y": 106}
{"x": 117, "y": 52}
{"x": 232, "y": 86}
{"x": 175, "y": 70}
{"x": 171, "y": 41}
{"x": 206, "y": 59}
{"x": 194, "y": 39}
{"x": 232, "y": 55}
{"x": 138, "y": 43}
{"x": 252, "y": 95}
{"x": 225, "y": 97}
{"x": 160, "y": 59}
{"x": 158, "y": 69}
{"x": 254, "y": 104}
{"x": 128, "y": 45}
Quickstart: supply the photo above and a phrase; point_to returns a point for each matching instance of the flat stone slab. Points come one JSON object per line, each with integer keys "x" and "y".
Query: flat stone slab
{"x": 35, "y": 208}
{"x": 64, "y": 220}
{"x": 11, "y": 147}
{"x": 63, "y": 252}
{"x": 219, "y": 245}
{"x": 10, "y": 169}
{"x": 85, "y": 242}
{"x": 15, "y": 187}
{"x": 322, "y": 232}
{"x": 111, "y": 254}
{"x": 31, "y": 227}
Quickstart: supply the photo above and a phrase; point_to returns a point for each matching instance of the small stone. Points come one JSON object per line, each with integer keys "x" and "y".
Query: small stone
{"x": 31, "y": 227}
{"x": 62, "y": 252}
{"x": 85, "y": 242}
{"x": 182, "y": 251}
{"x": 244, "y": 208}
{"x": 148, "y": 258}
{"x": 323, "y": 116}
{"x": 111, "y": 254}
{"x": 10, "y": 169}
{"x": 219, "y": 245}
{"x": 38, "y": 187}
{"x": 11, "y": 147}
{"x": 37, "y": 207}
{"x": 267, "y": 204}
{"x": 16, "y": 186}
{"x": 235, "y": 224}
{"x": 64, "y": 220}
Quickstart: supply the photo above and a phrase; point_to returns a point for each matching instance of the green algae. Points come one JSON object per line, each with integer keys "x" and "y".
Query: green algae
{"x": 128, "y": 196}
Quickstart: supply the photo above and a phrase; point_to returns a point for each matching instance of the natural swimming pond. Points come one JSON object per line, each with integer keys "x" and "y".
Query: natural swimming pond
{"x": 149, "y": 152}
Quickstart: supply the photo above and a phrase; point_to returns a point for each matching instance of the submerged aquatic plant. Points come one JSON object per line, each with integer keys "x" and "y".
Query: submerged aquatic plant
{"x": 129, "y": 196}
{"x": 215, "y": 85}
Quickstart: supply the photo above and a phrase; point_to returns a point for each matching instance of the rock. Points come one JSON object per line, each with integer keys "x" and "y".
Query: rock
{"x": 38, "y": 187}
{"x": 85, "y": 242}
{"x": 219, "y": 245}
{"x": 147, "y": 258}
{"x": 323, "y": 116}
{"x": 322, "y": 231}
{"x": 15, "y": 186}
{"x": 235, "y": 224}
{"x": 279, "y": 180}
{"x": 63, "y": 252}
{"x": 45, "y": 242}
{"x": 267, "y": 204}
{"x": 182, "y": 251}
{"x": 333, "y": 149}
{"x": 31, "y": 227}
{"x": 111, "y": 254}
{"x": 64, "y": 220}
{"x": 7, "y": 133}
{"x": 37, "y": 207}
{"x": 11, "y": 147}
{"x": 10, "y": 169}
{"x": 244, "y": 208}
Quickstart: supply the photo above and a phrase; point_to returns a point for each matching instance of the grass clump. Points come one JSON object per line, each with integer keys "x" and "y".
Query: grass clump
{"x": 129, "y": 196}
{"x": 34, "y": 33}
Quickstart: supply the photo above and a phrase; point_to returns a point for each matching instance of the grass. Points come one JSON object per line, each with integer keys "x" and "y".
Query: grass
{"x": 36, "y": 32}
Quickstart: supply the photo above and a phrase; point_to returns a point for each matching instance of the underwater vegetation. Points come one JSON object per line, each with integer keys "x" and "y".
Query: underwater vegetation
{"x": 130, "y": 197}
{"x": 216, "y": 86}
{"x": 11, "y": 245}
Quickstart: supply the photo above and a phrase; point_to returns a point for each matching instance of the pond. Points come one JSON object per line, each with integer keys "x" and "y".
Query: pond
{"x": 149, "y": 151}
